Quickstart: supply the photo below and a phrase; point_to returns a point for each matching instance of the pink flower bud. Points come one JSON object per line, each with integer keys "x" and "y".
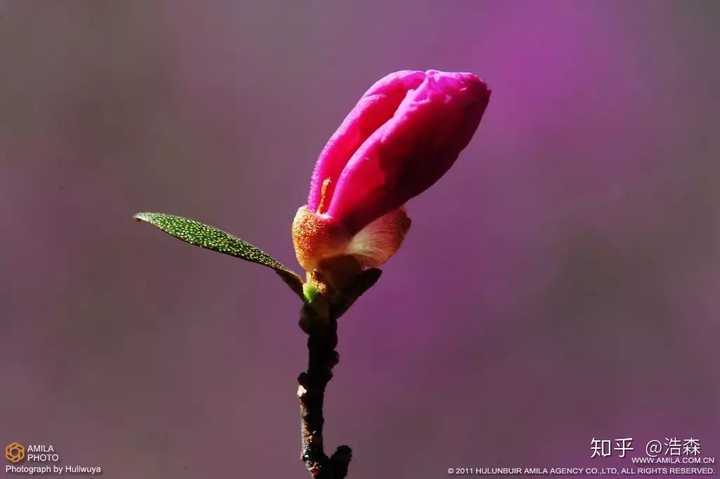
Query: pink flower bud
{"x": 405, "y": 132}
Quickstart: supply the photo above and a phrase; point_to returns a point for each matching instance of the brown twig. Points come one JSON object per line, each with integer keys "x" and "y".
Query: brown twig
{"x": 319, "y": 321}
{"x": 322, "y": 357}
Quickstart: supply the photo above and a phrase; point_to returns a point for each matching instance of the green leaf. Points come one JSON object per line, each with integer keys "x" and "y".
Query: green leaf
{"x": 209, "y": 237}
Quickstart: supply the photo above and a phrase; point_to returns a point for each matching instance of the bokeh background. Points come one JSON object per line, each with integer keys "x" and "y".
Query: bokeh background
{"x": 560, "y": 283}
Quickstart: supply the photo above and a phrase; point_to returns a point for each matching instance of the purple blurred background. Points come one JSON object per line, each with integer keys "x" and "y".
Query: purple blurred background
{"x": 559, "y": 284}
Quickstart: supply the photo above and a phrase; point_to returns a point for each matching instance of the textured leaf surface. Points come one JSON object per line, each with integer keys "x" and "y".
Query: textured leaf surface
{"x": 209, "y": 237}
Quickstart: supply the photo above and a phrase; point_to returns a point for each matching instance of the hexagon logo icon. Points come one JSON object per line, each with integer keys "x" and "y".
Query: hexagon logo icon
{"x": 14, "y": 452}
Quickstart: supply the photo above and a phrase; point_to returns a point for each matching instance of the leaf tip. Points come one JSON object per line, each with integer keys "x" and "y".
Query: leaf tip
{"x": 142, "y": 216}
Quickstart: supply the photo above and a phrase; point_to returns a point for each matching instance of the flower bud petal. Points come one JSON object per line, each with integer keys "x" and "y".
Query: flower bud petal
{"x": 412, "y": 150}
{"x": 405, "y": 132}
{"x": 374, "y": 108}
{"x": 373, "y": 245}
